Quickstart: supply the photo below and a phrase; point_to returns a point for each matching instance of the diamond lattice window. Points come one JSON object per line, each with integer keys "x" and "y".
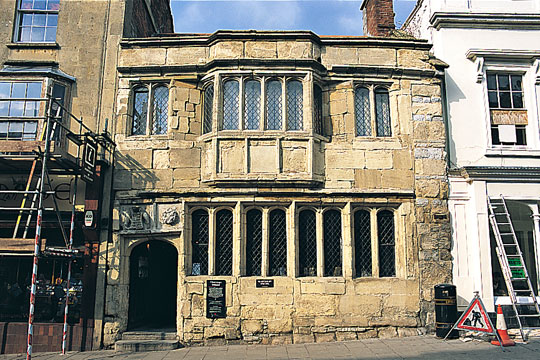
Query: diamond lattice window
{"x": 362, "y": 243}
{"x": 160, "y": 110}
{"x": 382, "y": 112}
{"x": 307, "y": 236}
{"x": 231, "y": 93}
{"x": 362, "y": 112}
{"x": 332, "y": 243}
{"x": 253, "y": 242}
{"x": 278, "y": 243}
{"x": 208, "y": 101}
{"x": 385, "y": 230}
{"x": 140, "y": 111}
{"x": 224, "y": 242}
{"x": 252, "y": 105}
{"x": 294, "y": 105}
{"x": 273, "y": 105}
{"x": 199, "y": 243}
{"x": 317, "y": 111}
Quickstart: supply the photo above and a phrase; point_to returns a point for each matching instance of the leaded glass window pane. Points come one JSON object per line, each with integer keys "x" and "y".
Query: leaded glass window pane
{"x": 253, "y": 242}
{"x": 294, "y": 105}
{"x": 160, "y": 108}
{"x": 224, "y": 242}
{"x": 199, "y": 243}
{"x": 362, "y": 112}
{"x": 252, "y": 105}
{"x": 382, "y": 113}
{"x": 273, "y": 105}
{"x": 362, "y": 243}
{"x": 231, "y": 93}
{"x": 385, "y": 229}
{"x": 278, "y": 243}
{"x": 317, "y": 111}
{"x": 208, "y": 106}
{"x": 140, "y": 111}
{"x": 307, "y": 234}
{"x": 332, "y": 243}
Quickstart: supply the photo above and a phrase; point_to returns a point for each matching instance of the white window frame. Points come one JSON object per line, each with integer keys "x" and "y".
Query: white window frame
{"x": 18, "y": 23}
{"x": 525, "y": 63}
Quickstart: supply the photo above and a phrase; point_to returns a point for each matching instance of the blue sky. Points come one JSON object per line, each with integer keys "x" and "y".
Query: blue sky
{"x": 324, "y": 17}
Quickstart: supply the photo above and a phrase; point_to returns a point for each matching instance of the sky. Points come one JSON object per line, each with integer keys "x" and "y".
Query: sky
{"x": 324, "y": 17}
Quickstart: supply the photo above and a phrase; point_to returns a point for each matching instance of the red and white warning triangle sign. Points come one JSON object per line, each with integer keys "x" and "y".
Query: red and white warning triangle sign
{"x": 475, "y": 318}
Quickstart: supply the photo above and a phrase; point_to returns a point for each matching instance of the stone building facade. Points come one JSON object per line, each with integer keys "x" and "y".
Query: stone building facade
{"x": 306, "y": 172}
{"x": 66, "y": 49}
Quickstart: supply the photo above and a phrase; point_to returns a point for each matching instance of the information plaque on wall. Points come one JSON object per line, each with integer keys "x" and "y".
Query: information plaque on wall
{"x": 215, "y": 299}
{"x": 264, "y": 283}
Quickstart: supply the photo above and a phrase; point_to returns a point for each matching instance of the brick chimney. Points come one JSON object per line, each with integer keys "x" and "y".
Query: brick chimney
{"x": 378, "y": 16}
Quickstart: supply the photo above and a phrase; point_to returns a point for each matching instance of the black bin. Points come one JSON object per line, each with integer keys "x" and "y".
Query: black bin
{"x": 445, "y": 310}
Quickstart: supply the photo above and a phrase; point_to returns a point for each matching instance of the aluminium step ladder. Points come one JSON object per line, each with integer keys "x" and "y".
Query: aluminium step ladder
{"x": 513, "y": 267}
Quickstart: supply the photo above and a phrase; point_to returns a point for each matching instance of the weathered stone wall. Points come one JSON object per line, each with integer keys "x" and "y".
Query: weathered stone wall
{"x": 405, "y": 172}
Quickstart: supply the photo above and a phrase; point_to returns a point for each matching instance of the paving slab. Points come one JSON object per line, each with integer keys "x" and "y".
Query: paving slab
{"x": 416, "y": 347}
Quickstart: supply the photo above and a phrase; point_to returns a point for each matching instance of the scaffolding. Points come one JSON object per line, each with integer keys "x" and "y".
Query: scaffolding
{"x": 56, "y": 150}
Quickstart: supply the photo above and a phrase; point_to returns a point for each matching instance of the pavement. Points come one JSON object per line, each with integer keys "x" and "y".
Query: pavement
{"x": 416, "y": 347}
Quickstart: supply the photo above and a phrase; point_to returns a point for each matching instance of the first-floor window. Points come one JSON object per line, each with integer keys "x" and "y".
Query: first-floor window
{"x": 150, "y": 110}
{"x": 231, "y": 94}
{"x": 368, "y": 117}
{"x": 278, "y": 243}
{"x": 224, "y": 242}
{"x": 507, "y": 109}
{"x": 208, "y": 100}
{"x": 307, "y": 236}
{"x": 294, "y": 105}
{"x": 37, "y": 21}
{"x": 387, "y": 254}
{"x": 199, "y": 242}
{"x": 253, "y": 242}
{"x": 332, "y": 243}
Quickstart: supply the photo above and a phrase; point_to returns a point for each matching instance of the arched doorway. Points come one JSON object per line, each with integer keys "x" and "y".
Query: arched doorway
{"x": 152, "y": 287}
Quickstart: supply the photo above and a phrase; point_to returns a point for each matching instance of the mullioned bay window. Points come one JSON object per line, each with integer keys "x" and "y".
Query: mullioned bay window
{"x": 273, "y": 103}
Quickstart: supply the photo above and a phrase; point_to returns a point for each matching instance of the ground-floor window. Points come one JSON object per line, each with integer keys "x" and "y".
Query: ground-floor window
{"x": 317, "y": 233}
{"x": 254, "y": 244}
{"x": 278, "y": 243}
{"x": 15, "y": 281}
{"x": 224, "y": 242}
{"x": 333, "y": 244}
{"x": 307, "y": 236}
{"x": 199, "y": 242}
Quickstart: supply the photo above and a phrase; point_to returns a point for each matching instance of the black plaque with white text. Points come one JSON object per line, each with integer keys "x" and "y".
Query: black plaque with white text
{"x": 264, "y": 283}
{"x": 215, "y": 299}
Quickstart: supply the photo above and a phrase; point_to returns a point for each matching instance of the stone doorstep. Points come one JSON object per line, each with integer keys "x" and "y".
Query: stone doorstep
{"x": 145, "y": 345}
{"x": 149, "y": 335}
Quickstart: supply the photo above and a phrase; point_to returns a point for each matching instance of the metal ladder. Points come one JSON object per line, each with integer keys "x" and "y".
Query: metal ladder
{"x": 512, "y": 264}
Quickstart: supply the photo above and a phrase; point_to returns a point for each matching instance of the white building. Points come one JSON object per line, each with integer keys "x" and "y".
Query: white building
{"x": 492, "y": 89}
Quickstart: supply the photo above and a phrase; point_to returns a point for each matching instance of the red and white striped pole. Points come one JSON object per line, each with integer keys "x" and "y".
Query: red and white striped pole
{"x": 39, "y": 219}
{"x": 34, "y": 286}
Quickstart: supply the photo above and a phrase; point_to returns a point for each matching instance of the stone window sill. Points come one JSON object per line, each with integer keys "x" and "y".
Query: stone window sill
{"x": 512, "y": 152}
{"x": 33, "y": 45}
